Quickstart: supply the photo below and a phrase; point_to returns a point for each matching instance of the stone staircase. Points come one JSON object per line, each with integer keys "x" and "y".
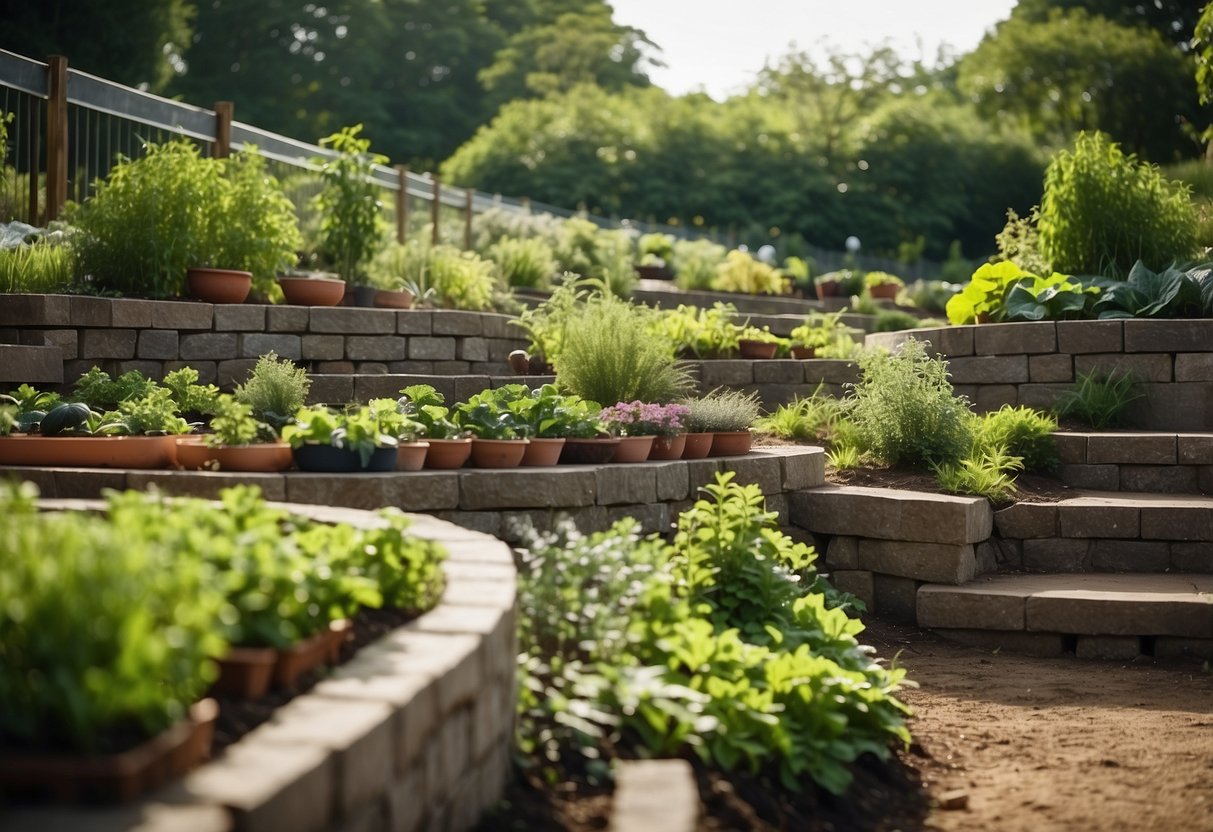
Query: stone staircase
{"x": 1099, "y": 575}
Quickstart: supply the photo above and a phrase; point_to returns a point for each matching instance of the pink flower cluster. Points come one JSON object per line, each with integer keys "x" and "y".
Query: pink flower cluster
{"x": 640, "y": 419}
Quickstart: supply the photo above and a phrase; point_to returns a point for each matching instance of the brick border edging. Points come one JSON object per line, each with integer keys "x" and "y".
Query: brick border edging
{"x": 415, "y": 731}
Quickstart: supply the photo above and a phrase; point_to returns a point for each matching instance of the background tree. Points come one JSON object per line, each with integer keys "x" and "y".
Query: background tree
{"x": 133, "y": 42}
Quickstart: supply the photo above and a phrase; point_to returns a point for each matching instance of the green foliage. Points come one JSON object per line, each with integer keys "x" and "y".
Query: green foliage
{"x": 904, "y": 409}
{"x": 255, "y": 229}
{"x": 695, "y": 263}
{"x": 1099, "y": 399}
{"x": 524, "y": 262}
{"x": 660, "y": 246}
{"x": 494, "y": 414}
{"x": 545, "y": 412}
{"x": 1171, "y": 293}
{"x": 546, "y": 324}
{"x": 1019, "y": 242}
{"x": 1102, "y": 211}
{"x": 822, "y": 331}
{"x": 722, "y": 643}
{"x": 742, "y": 273}
{"x": 351, "y": 223}
{"x": 154, "y": 414}
{"x": 1052, "y": 298}
{"x": 702, "y": 333}
{"x": 103, "y": 633}
{"x": 609, "y": 353}
{"x": 233, "y": 423}
{"x": 443, "y": 274}
{"x": 894, "y": 320}
{"x": 426, "y": 406}
{"x": 96, "y": 389}
{"x": 274, "y": 390}
{"x": 40, "y": 267}
{"x": 722, "y": 411}
{"x": 878, "y": 278}
{"x": 377, "y": 424}
{"x": 1021, "y": 432}
{"x": 988, "y": 473}
{"x": 809, "y": 419}
{"x": 188, "y": 394}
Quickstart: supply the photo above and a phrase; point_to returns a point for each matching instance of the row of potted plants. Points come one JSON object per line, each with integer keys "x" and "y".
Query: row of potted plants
{"x": 117, "y": 623}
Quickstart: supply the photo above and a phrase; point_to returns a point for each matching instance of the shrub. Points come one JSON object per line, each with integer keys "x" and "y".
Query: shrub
{"x": 443, "y": 274}
{"x": 350, "y": 218}
{"x": 894, "y": 320}
{"x": 703, "y": 333}
{"x": 275, "y": 390}
{"x": 610, "y": 354}
{"x": 722, "y": 411}
{"x": 1021, "y": 432}
{"x": 904, "y": 409}
{"x": 807, "y": 419}
{"x": 988, "y": 473}
{"x": 695, "y": 262}
{"x": 39, "y": 267}
{"x": 1102, "y": 211}
{"x": 524, "y": 262}
{"x": 742, "y": 273}
{"x": 1099, "y": 398}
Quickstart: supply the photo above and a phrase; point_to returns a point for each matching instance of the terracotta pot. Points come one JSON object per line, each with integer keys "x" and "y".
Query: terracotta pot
{"x": 885, "y": 291}
{"x": 245, "y": 672}
{"x": 393, "y": 299}
{"x": 668, "y": 447}
{"x": 340, "y": 631}
{"x": 633, "y": 448}
{"x": 329, "y": 460}
{"x": 756, "y": 349}
{"x": 218, "y": 285}
{"x": 654, "y": 273}
{"x": 588, "y": 451}
{"x": 410, "y": 456}
{"x": 71, "y": 778}
{"x": 299, "y": 658}
{"x": 541, "y": 452}
{"x": 448, "y": 454}
{"x": 193, "y": 454}
{"x": 698, "y": 445}
{"x": 498, "y": 453}
{"x": 733, "y": 443}
{"x": 828, "y": 288}
{"x": 312, "y": 291}
{"x": 142, "y": 452}
{"x": 803, "y": 352}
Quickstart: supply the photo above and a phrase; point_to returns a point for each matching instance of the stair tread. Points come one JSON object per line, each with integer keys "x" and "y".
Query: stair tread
{"x": 1113, "y": 586}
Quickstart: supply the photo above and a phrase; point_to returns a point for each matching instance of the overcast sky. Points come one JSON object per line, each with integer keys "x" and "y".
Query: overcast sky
{"x": 720, "y": 45}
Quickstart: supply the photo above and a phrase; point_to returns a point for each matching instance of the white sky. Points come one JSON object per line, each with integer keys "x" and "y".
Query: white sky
{"x": 720, "y": 45}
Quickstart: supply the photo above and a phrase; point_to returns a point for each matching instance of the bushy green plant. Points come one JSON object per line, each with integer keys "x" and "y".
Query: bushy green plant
{"x": 188, "y": 394}
{"x": 154, "y": 414}
{"x": 722, "y": 411}
{"x": 811, "y": 418}
{"x": 879, "y": 278}
{"x": 546, "y": 324}
{"x": 377, "y": 424}
{"x": 702, "y": 333}
{"x": 1172, "y": 293}
{"x": 1099, "y": 398}
{"x": 275, "y": 390}
{"x": 443, "y": 275}
{"x": 904, "y": 409}
{"x": 894, "y": 320}
{"x": 988, "y": 473}
{"x": 549, "y": 414}
{"x": 820, "y": 331}
{"x": 1021, "y": 432}
{"x": 742, "y": 273}
{"x": 426, "y": 406}
{"x": 656, "y": 245}
{"x": 351, "y": 220}
{"x": 524, "y": 262}
{"x": 492, "y": 414}
{"x": 101, "y": 392}
{"x": 610, "y": 354}
{"x": 233, "y": 423}
{"x": 1102, "y": 211}
{"x": 255, "y": 228}
{"x": 39, "y": 267}
{"x": 1019, "y": 242}
{"x": 695, "y": 263}
{"x": 104, "y": 632}
{"x": 1005, "y": 292}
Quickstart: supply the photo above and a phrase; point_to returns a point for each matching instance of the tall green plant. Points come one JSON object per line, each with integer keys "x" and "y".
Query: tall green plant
{"x": 1103, "y": 211}
{"x": 351, "y": 223}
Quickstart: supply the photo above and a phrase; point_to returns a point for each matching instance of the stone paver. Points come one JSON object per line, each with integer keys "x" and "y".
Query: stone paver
{"x": 892, "y": 514}
{"x": 655, "y": 796}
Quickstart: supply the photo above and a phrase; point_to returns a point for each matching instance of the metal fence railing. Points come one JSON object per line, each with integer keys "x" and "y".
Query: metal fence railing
{"x": 67, "y": 128}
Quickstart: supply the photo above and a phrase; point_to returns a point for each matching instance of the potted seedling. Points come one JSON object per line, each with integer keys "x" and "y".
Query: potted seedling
{"x": 817, "y": 332}
{"x": 499, "y": 428}
{"x": 450, "y": 446}
{"x": 359, "y": 439}
{"x": 726, "y": 416}
{"x": 882, "y": 285}
{"x": 753, "y": 342}
{"x": 239, "y": 442}
{"x": 642, "y": 425}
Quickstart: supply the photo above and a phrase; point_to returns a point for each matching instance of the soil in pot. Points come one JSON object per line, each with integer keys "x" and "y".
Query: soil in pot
{"x": 448, "y": 454}
{"x": 219, "y": 285}
{"x": 329, "y": 460}
{"x": 540, "y": 452}
{"x": 668, "y": 447}
{"x": 633, "y": 449}
{"x": 588, "y": 451}
{"x": 756, "y": 349}
{"x": 698, "y": 445}
{"x": 498, "y": 453}
{"x": 410, "y": 456}
{"x": 312, "y": 291}
{"x": 732, "y": 443}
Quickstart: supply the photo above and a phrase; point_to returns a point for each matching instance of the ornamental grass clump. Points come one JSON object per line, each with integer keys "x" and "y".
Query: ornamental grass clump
{"x": 722, "y": 411}
{"x": 640, "y": 419}
{"x": 905, "y": 412}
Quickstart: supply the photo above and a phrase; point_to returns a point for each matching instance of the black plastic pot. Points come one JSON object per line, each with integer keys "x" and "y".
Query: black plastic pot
{"x": 325, "y": 459}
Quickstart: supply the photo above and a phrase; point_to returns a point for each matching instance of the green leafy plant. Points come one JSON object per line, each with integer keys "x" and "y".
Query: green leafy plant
{"x": 275, "y": 390}
{"x": 105, "y": 633}
{"x": 811, "y": 418}
{"x": 609, "y": 353}
{"x": 983, "y": 298}
{"x": 722, "y": 411}
{"x": 904, "y": 409}
{"x": 233, "y": 423}
{"x": 426, "y": 406}
{"x": 1102, "y": 211}
{"x": 255, "y": 228}
{"x": 491, "y": 414}
{"x": 549, "y": 414}
{"x": 442, "y": 275}
{"x": 1021, "y": 432}
{"x": 820, "y": 330}
{"x": 154, "y": 414}
{"x": 1171, "y": 293}
{"x": 39, "y": 267}
{"x": 546, "y": 324}
{"x": 871, "y": 279}
{"x": 378, "y": 424}
{"x": 702, "y": 333}
{"x": 1099, "y": 398}
{"x": 894, "y": 320}
{"x": 351, "y": 222}
{"x": 742, "y": 273}
{"x": 99, "y": 391}
{"x": 989, "y": 473}
{"x": 524, "y": 262}
{"x": 188, "y": 394}
{"x": 1052, "y": 298}
{"x": 695, "y": 263}
{"x": 660, "y": 246}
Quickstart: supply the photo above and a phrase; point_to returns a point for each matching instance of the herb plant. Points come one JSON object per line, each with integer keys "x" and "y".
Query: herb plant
{"x": 640, "y": 419}
{"x": 274, "y": 390}
{"x": 351, "y": 223}
{"x": 722, "y": 411}
{"x": 1021, "y": 432}
{"x": 426, "y": 406}
{"x": 1099, "y": 398}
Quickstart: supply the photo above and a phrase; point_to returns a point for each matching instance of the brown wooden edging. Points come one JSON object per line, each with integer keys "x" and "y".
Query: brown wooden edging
{"x": 414, "y": 732}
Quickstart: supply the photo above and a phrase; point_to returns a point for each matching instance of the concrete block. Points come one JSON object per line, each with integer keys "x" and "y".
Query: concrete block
{"x": 472, "y": 349}
{"x": 431, "y": 349}
{"x": 1194, "y": 366}
{"x": 857, "y": 582}
{"x": 1097, "y": 517}
{"x": 132, "y": 313}
{"x": 672, "y": 481}
{"x": 843, "y": 552}
{"x": 1079, "y": 337}
{"x": 779, "y": 372}
{"x": 500, "y": 489}
{"x": 1175, "y": 407}
{"x": 1127, "y": 605}
{"x": 1156, "y": 367}
{"x": 257, "y": 344}
{"x": 406, "y": 801}
{"x": 1058, "y": 367}
{"x": 1159, "y": 479}
{"x": 1199, "y": 649}
{"x": 160, "y": 344}
{"x": 322, "y": 347}
{"x": 1090, "y": 477}
{"x": 1023, "y": 521}
{"x": 727, "y": 372}
{"x": 287, "y": 318}
{"x": 91, "y": 311}
{"x": 1146, "y": 335}
{"x": 1108, "y": 648}
{"x": 1195, "y": 448}
{"x": 1071, "y": 447}
{"x": 375, "y": 348}
{"x": 945, "y": 563}
{"x": 352, "y": 320}
{"x": 1015, "y": 338}
{"x": 1182, "y": 519}
{"x": 618, "y": 484}
{"x": 239, "y": 317}
{"x": 36, "y": 310}
{"x": 831, "y": 371}
{"x": 991, "y": 397}
{"x": 67, "y": 341}
{"x": 414, "y": 322}
{"x": 1131, "y": 448}
{"x": 979, "y": 606}
{"x": 169, "y": 314}
{"x": 214, "y": 346}
{"x": 108, "y": 343}
{"x": 894, "y": 598}
{"x": 989, "y": 369}
{"x": 32, "y": 365}
{"x": 1056, "y": 555}
{"x": 1130, "y": 555}
{"x": 233, "y": 372}
{"x": 1041, "y": 396}
{"x": 893, "y": 514}
{"x": 1192, "y": 557}
{"x": 756, "y": 468}
{"x": 456, "y": 322}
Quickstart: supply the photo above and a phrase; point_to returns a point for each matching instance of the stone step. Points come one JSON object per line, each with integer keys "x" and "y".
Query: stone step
{"x": 333, "y": 388}
{"x": 1095, "y": 616}
{"x": 20, "y": 364}
{"x": 655, "y": 796}
{"x": 1148, "y": 461}
{"x": 1108, "y": 532}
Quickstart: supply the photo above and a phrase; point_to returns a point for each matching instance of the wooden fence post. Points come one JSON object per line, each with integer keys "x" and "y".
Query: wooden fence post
{"x": 224, "y": 110}
{"x": 35, "y": 146}
{"x": 402, "y": 204}
{"x": 56, "y": 136}
{"x": 435, "y": 237}
{"x": 467, "y": 219}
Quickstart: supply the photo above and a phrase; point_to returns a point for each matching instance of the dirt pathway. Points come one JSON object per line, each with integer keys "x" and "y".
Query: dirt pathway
{"x": 1057, "y": 744}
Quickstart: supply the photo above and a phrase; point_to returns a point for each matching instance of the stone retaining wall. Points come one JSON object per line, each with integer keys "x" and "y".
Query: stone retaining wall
{"x": 222, "y": 342}
{"x": 490, "y": 501}
{"x": 415, "y": 732}
{"x": 1032, "y": 363}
